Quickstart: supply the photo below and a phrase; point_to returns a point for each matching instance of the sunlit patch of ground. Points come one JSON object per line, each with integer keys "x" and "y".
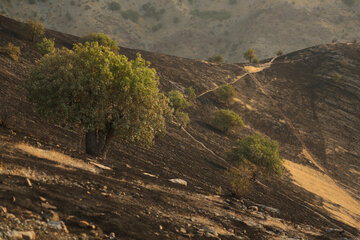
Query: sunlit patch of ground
{"x": 57, "y": 157}
{"x": 336, "y": 200}
{"x": 252, "y": 69}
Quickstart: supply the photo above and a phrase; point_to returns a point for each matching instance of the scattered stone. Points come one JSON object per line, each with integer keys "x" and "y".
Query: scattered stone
{"x": 127, "y": 165}
{"x": 268, "y": 209}
{"x": 161, "y": 227}
{"x": 42, "y": 199}
{"x": 112, "y": 236}
{"x": 150, "y": 175}
{"x": 183, "y": 230}
{"x": 58, "y": 225}
{"x": 52, "y": 216}
{"x": 3, "y": 209}
{"x": 335, "y": 230}
{"x": 48, "y": 206}
{"x": 28, "y": 235}
{"x": 178, "y": 181}
{"x": 28, "y": 182}
{"x": 253, "y": 208}
{"x": 84, "y": 224}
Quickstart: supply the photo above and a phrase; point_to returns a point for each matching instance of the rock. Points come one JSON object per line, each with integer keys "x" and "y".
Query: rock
{"x": 161, "y": 227}
{"x": 112, "y": 236}
{"x": 52, "y": 216}
{"x": 183, "y": 230}
{"x": 28, "y": 182}
{"x": 48, "y": 206}
{"x": 84, "y": 224}
{"x": 335, "y": 230}
{"x": 268, "y": 209}
{"x": 42, "y": 199}
{"x": 58, "y": 225}
{"x": 209, "y": 231}
{"x": 28, "y": 235}
{"x": 3, "y": 209}
{"x": 150, "y": 175}
{"x": 253, "y": 208}
{"x": 178, "y": 181}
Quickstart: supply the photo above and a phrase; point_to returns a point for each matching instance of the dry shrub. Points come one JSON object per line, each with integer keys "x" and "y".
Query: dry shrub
{"x": 240, "y": 178}
{"x": 11, "y": 50}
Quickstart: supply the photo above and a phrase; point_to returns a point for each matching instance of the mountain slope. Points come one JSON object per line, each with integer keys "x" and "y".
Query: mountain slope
{"x": 199, "y": 29}
{"x": 135, "y": 199}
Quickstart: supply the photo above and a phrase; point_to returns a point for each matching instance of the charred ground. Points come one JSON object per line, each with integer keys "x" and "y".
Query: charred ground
{"x": 295, "y": 101}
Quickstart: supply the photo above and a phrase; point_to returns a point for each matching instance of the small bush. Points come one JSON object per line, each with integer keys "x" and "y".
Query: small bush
{"x": 177, "y": 100}
{"x": 35, "y": 28}
{"x": 131, "y": 15}
{"x": 102, "y": 39}
{"x": 261, "y": 151}
{"x": 156, "y": 27}
{"x": 176, "y": 20}
{"x": 211, "y": 15}
{"x": 224, "y": 120}
{"x": 225, "y": 94}
{"x": 279, "y": 53}
{"x": 182, "y": 118}
{"x": 232, "y": 2}
{"x": 217, "y": 58}
{"x": 350, "y": 3}
{"x": 11, "y": 50}
{"x": 336, "y": 77}
{"x": 251, "y": 56}
{"x": 114, "y": 6}
{"x": 151, "y": 12}
{"x": 46, "y": 46}
{"x": 190, "y": 93}
{"x": 240, "y": 178}
{"x": 344, "y": 63}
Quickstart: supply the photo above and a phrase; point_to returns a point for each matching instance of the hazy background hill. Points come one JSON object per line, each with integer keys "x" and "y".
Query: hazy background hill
{"x": 200, "y": 28}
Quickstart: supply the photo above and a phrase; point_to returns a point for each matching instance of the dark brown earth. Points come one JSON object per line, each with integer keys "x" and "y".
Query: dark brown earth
{"x": 295, "y": 102}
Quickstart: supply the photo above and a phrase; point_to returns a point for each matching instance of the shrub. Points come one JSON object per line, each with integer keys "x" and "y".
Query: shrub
{"x": 232, "y": 2}
{"x": 182, "y": 118}
{"x": 261, "y": 151}
{"x": 251, "y": 56}
{"x": 102, "y": 39}
{"x": 151, "y": 12}
{"x": 190, "y": 93}
{"x": 225, "y": 94}
{"x": 131, "y": 15}
{"x": 35, "y": 28}
{"x": 240, "y": 178}
{"x": 177, "y": 100}
{"x": 224, "y": 120}
{"x": 114, "y": 6}
{"x": 336, "y": 77}
{"x": 156, "y": 27}
{"x": 11, "y": 50}
{"x": 350, "y": 3}
{"x": 105, "y": 93}
{"x": 217, "y": 58}
{"x": 46, "y": 46}
{"x": 279, "y": 53}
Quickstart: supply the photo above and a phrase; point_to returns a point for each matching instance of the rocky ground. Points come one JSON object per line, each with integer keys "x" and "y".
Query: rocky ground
{"x": 50, "y": 189}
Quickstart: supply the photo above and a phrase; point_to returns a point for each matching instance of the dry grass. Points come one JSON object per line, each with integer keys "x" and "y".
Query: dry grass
{"x": 56, "y": 157}
{"x": 337, "y": 201}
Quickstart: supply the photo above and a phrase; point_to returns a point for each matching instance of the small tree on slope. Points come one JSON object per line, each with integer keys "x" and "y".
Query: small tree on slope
{"x": 104, "y": 93}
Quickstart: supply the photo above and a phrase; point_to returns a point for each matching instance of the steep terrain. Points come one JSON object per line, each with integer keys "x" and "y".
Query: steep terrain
{"x": 49, "y": 186}
{"x": 200, "y": 28}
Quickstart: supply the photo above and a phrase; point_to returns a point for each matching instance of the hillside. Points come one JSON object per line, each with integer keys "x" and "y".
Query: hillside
{"x": 48, "y": 185}
{"x": 198, "y": 28}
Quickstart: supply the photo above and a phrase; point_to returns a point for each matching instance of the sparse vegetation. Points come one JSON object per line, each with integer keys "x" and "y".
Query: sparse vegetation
{"x": 35, "y": 28}
{"x": 182, "y": 118}
{"x": 232, "y": 2}
{"x": 350, "y": 3}
{"x": 151, "y": 12}
{"x": 102, "y": 39}
{"x": 279, "y": 53}
{"x": 225, "y": 94}
{"x": 251, "y": 56}
{"x": 190, "y": 93}
{"x": 336, "y": 77}
{"x": 211, "y": 15}
{"x": 156, "y": 27}
{"x": 240, "y": 178}
{"x": 13, "y": 51}
{"x": 217, "y": 58}
{"x": 177, "y": 100}
{"x": 224, "y": 120}
{"x": 46, "y": 46}
{"x": 105, "y": 93}
{"x": 114, "y": 6}
{"x": 131, "y": 15}
{"x": 259, "y": 150}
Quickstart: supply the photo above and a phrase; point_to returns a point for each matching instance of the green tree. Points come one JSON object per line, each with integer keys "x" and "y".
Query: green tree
{"x": 35, "y": 28}
{"x": 224, "y": 120}
{"x": 46, "y": 46}
{"x": 261, "y": 151}
{"x": 182, "y": 118}
{"x": 251, "y": 56}
{"x": 102, "y": 39}
{"x": 105, "y": 93}
{"x": 177, "y": 100}
{"x": 217, "y": 58}
{"x": 225, "y": 94}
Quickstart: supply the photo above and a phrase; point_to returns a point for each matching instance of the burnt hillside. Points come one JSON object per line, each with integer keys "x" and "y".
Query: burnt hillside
{"x": 295, "y": 100}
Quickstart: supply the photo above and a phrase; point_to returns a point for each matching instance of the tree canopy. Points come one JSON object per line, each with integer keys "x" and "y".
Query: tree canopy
{"x": 103, "y": 92}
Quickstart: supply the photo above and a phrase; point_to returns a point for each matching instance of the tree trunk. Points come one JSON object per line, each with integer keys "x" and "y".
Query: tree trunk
{"x": 97, "y": 142}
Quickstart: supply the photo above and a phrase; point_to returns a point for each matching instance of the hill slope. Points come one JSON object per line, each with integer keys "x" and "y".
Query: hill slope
{"x": 293, "y": 100}
{"x": 199, "y": 29}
